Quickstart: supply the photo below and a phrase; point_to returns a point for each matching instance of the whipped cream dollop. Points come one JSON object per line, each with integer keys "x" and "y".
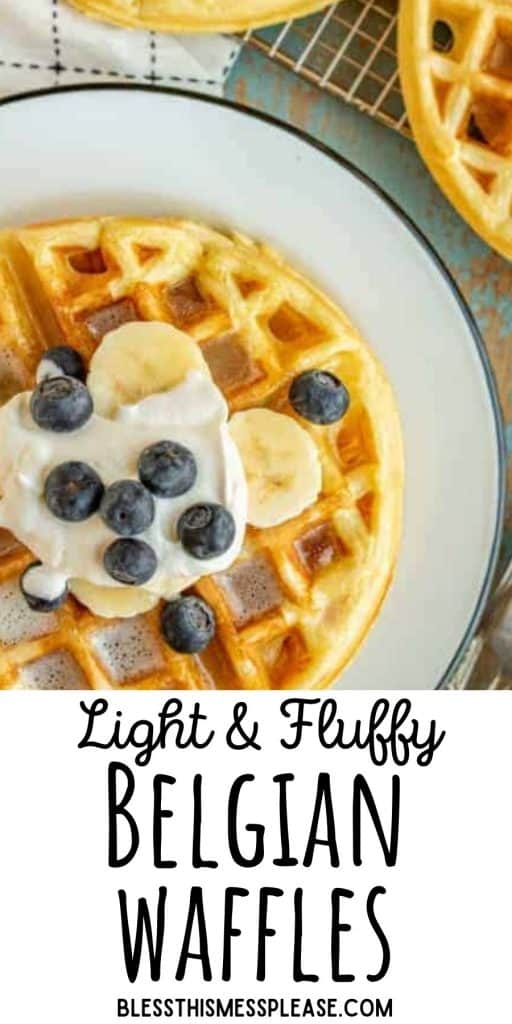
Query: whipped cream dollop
{"x": 193, "y": 413}
{"x": 48, "y": 368}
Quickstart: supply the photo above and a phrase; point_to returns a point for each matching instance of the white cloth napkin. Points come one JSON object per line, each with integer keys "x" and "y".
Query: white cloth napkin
{"x": 45, "y": 43}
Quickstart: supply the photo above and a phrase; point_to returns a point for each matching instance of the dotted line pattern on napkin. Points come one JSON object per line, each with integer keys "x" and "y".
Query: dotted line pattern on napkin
{"x": 153, "y": 75}
{"x": 56, "y": 39}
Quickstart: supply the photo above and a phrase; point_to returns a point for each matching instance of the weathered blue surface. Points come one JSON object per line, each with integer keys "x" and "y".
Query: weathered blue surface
{"x": 392, "y": 161}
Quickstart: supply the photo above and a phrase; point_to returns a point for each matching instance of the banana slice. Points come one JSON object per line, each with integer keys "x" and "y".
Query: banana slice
{"x": 140, "y": 359}
{"x": 113, "y": 602}
{"x": 281, "y": 465}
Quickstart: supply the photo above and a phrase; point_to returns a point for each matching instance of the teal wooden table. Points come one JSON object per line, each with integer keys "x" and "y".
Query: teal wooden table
{"x": 392, "y": 161}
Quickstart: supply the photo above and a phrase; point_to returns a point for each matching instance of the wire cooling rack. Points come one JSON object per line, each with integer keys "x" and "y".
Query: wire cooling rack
{"x": 349, "y": 50}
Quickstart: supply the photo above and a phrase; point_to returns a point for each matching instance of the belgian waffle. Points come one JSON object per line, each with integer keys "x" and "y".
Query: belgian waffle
{"x": 297, "y": 603}
{"x": 196, "y": 15}
{"x": 456, "y": 71}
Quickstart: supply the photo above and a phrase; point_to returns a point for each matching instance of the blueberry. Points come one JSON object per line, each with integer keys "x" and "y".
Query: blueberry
{"x": 127, "y": 508}
{"x": 130, "y": 561}
{"x": 168, "y": 469}
{"x": 61, "y": 360}
{"x": 61, "y": 404}
{"x": 73, "y": 491}
{"x": 188, "y": 624}
{"x": 319, "y": 396}
{"x": 38, "y": 603}
{"x": 206, "y": 530}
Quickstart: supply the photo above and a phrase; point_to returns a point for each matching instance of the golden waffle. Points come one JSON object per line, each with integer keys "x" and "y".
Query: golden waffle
{"x": 196, "y": 15}
{"x": 297, "y": 603}
{"x": 456, "y": 71}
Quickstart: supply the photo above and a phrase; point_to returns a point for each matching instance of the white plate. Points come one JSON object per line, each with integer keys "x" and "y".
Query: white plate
{"x": 107, "y": 150}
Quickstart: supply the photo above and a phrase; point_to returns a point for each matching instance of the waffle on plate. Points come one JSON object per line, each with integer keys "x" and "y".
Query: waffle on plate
{"x": 196, "y": 15}
{"x": 456, "y": 72}
{"x": 298, "y": 601}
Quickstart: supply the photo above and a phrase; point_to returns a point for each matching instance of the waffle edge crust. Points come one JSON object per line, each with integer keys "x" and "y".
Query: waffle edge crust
{"x": 195, "y": 15}
{"x": 455, "y": 61}
{"x": 297, "y": 603}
